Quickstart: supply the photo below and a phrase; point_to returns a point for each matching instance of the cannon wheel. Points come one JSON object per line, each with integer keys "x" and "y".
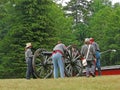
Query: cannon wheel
{"x": 73, "y": 64}
{"x": 42, "y": 64}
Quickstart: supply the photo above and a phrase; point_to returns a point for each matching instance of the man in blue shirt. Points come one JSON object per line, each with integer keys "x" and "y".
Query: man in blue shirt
{"x": 97, "y": 49}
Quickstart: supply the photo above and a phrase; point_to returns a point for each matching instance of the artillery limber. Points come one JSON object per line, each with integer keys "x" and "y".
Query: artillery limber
{"x": 43, "y": 66}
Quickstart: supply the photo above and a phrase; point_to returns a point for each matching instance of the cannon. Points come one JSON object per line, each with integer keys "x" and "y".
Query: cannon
{"x": 43, "y": 66}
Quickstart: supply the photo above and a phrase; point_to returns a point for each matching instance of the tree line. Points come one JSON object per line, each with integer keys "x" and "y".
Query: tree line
{"x": 43, "y": 23}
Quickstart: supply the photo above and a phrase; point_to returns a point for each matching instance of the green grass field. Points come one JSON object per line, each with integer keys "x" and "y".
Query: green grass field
{"x": 73, "y": 83}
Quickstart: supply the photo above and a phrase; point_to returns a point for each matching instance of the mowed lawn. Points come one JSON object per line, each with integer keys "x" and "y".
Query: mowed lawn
{"x": 111, "y": 82}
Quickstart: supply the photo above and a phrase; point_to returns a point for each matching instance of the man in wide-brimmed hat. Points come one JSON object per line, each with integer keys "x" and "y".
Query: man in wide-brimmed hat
{"x": 28, "y": 58}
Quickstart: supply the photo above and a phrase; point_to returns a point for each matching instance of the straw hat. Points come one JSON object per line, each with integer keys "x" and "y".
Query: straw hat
{"x": 28, "y": 45}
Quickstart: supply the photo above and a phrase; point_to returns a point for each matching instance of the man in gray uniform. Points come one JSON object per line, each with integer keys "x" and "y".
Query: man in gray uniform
{"x": 57, "y": 59}
{"x": 28, "y": 58}
{"x": 90, "y": 67}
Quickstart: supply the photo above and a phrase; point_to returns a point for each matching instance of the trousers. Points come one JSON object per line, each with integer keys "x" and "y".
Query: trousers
{"x": 90, "y": 68}
{"x": 98, "y": 65}
{"x": 29, "y": 70}
{"x": 58, "y": 65}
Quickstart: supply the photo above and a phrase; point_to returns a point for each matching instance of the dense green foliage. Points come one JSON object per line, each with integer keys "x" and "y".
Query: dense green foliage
{"x": 100, "y": 21}
{"x": 104, "y": 26}
{"x": 40, "y": 22}
{"x": 43, "y": 23}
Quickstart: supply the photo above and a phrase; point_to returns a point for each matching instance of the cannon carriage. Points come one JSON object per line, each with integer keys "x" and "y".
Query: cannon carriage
{"x": 43, "y": 66}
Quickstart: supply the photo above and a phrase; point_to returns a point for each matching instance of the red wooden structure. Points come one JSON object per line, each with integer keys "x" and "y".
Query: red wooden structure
{"x": 110, "y": 70}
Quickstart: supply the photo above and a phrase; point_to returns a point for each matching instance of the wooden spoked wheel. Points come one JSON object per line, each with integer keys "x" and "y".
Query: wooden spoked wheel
{"x": 73, "y": 64}
{"x": 42, "y": 63}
